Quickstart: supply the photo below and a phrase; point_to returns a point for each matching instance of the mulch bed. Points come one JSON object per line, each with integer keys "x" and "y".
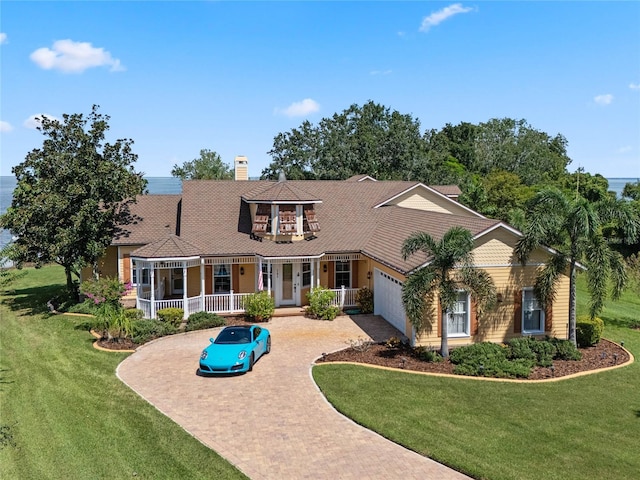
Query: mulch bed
{"x": 604, "y": 354}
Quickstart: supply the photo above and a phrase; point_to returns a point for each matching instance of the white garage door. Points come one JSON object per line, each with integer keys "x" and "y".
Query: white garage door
{"x": 387, "y": 299}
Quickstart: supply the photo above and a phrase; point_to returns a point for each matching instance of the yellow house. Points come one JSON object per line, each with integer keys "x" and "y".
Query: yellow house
{"x": 221, "y": 240}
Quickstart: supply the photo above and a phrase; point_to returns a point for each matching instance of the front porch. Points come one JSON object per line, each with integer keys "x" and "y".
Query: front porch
{"x": 223, "y": 303}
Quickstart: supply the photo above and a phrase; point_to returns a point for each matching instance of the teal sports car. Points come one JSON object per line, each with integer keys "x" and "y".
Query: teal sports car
{"x": 235, "y": 350}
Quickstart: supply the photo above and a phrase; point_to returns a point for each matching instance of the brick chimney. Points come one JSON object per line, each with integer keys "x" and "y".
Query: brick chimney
{"x": 241, "y": 168}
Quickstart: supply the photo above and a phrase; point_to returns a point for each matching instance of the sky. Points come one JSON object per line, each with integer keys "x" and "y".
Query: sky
{"x": 178, "y": 77}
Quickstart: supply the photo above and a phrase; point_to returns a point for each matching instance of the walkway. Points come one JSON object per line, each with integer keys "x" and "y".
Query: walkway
{"x": 273, "y": 423}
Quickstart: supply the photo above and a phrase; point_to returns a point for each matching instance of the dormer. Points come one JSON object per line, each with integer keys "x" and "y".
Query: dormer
{"x": 283, "y": 212}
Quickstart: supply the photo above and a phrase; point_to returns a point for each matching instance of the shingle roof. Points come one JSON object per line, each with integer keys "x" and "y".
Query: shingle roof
{"x": 216, "y": 221}
{"x": 154, "y": 216}
{"x": 171, "y": 246}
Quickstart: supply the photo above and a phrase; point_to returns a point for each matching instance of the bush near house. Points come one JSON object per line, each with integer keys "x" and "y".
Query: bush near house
{"x": 146, "y": 330}
{"x": 321, "y": 303}
{"x": 588, "y": 330}
{"x": 364, "y": 299}
{"x": 172, "y": 316}
{"x": 203, "y": 320}
{"x": 259, "y": 306}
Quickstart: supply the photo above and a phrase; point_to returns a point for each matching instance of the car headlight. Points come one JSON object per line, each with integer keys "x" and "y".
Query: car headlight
{"x": 242, "y": 354}
{"x": 204, "y": 355}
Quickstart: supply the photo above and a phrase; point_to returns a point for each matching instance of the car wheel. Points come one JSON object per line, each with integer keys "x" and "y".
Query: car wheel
{"x": 251, "y": 360}
{"x": 268, "y": 349}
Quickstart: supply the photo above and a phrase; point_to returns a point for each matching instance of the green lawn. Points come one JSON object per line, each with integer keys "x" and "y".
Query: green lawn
{"x": 587, "y": 427}
{"x": 63, "y": 412}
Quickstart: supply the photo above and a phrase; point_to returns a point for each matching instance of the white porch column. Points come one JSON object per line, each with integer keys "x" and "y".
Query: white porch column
{"x": 152, "y": 275}
{"x": 138, "y": 284}
{"x": 185, "y": 301}
{"x": 202, "y": 304}
{"x": 269, "y": 277}
{"x": 313, "y": 273}
{"x": 318, "y": 279}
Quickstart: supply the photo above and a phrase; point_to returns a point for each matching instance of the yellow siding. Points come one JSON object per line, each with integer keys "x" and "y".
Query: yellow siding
{"x": 497, "y": 249}
{"x": 422, "y": 199}
{"x": 497, "y": 325}
{"x": 247, "y": 282}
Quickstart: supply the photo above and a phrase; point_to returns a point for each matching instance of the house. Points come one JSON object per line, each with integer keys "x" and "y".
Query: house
{"x": 219, "y": 241}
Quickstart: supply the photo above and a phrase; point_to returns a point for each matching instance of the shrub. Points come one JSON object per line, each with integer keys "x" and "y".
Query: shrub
{"x": 541, "y": 352}
{"x": 134, "y": 313}
{"x": 203, "y": 320}
{"x": 105, "y": 290}
{"x": 427, "y": 354}
{"x": 113, "y": 321}
{"x": 588, "y": 330}
{"x": 364, "y": 299}
{"x": 565, "y": 350}
{"x": 172, "y": 316}
{"x": 88, "y": 307}
{"x": 478, "y": 353}
{"x": 321, "y": 303}
{"x": 259, "y": 306}
{"x": 146, "y": 330}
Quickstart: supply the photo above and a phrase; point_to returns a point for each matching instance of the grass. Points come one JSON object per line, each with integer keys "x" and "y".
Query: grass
{"x": 63, "y": 412}
{"x": 587, "y": 427}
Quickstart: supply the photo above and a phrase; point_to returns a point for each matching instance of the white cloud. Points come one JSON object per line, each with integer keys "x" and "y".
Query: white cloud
{"x": 299, "y": 109}
{"x": 625, "y": 149}
{"x": 604, "y": 99}
{"x": 33, "y": 122}
{"x": 3, "y": 38}
{"x": 634, "y": 86}
{"x": 436, "y": 18}
{"x": 5, "y": 126}
{"x": 380, "y": 72}
{"x": 74, "y": 57}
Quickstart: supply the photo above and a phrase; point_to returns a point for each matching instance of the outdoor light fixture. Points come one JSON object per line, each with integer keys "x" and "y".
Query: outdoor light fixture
{"x": 241, "y": 270}
{"x": 499, "y": 297}
{"x": 324, "y": 268}
{"x": 368, "y": 275}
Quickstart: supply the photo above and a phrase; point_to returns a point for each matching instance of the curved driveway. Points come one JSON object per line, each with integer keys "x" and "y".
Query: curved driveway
{"x": 273, "y": 423}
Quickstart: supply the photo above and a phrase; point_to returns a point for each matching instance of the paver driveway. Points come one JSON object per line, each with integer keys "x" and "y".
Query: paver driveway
{"x": 273, "y": 423}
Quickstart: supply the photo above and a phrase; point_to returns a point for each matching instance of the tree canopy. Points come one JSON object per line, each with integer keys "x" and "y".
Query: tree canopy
{"x": 72, "y": 194}
{"x": 369, "y": 139}
{"x": 209, "y": 166}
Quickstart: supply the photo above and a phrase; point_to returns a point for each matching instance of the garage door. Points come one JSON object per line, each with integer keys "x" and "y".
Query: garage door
{"x": 387, "y": 299}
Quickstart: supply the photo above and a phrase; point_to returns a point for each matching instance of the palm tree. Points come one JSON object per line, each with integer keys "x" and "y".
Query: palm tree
{"x": 573, "y": 228}
{"x": 448, "y": 270}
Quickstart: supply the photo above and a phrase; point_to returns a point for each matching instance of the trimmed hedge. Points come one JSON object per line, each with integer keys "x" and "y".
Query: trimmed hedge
{"x": 172, "y": 316}
{"x": 146, "y": 330}
{"x": 203, "y": 320}
{"x": 588, "y": 330}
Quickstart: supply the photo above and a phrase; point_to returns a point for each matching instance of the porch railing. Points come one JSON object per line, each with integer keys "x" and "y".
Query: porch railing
{"x": 345, "y": 297}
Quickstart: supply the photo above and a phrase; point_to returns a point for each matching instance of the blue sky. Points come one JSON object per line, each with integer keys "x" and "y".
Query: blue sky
{"x": 177, "y": 77}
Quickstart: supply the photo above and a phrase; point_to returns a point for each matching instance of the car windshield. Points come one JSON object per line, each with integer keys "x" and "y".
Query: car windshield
{"x": 234, "y": 335}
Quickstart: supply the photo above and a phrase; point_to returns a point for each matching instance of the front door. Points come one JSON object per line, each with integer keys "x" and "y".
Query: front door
{"x": 288, "y": 287}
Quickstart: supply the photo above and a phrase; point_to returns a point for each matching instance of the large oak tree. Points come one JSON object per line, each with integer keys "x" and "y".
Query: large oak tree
{"x": 72, "y": 194}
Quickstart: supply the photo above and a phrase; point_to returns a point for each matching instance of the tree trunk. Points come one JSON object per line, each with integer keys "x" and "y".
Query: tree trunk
{"x": 71, "y": 287}
{"x": 94, "y": 270}
{"x": 572, "y": 302}
{"x": 444, "y": 341}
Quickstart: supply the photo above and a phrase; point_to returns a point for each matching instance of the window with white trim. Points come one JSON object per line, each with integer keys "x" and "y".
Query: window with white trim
{"x": 343, "y": 274}
{"x": 222, "y": 278}
{"x": 144, "y": 273}
{"x": 458, "y": 317}
{"x": 532, "y": 313}
{"x": 267, "y": 277}
{"x": 306, "y": 274}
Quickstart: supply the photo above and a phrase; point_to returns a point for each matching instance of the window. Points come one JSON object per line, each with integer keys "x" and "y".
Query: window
{"x": 306, "y": 274}
{"x": 287, "y": 223}
{"x": 310, "y": 220}
{"x": 262, "y": 220}
{"x": 458, "y": 317}
{"x": 144, "y": 274}
{"x": 532, "y": 313}
{"x": 343, "y": 274}
{"x": 221, "y": 278}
